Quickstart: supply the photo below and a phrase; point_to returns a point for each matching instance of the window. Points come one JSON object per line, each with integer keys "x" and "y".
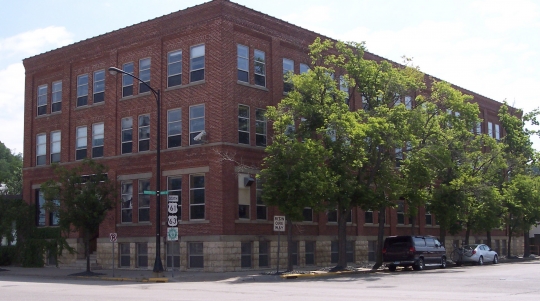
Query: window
{"x": 196, "y": 197}
{"x": 174, "y": 68}
{"x": 196, "y": 63}
{"x": 42, "y": 100}
{"x": 304, "y": 68}
{"x": 174, "y": 186}
{"x": 288, "y": 68}
{"x": 144, "y": 75}
{"x": 368, "y": 217}
{"x": 127, "y": 135}
{"x": 401, "y": 213}
{"x": 125, "y": 256}
{"x": 41, "y": 149}
{"x": 196, "y": 255}
{"x": 98, "y": 134}
{"x": 372, "y": 249}
{"x": 142, "y": 255}
{"x": 310, "y": 252}
{"x": 408, "y": 102}
{"x": 174, "y": 128}
{"x": 261, "y": 207}
{"x": 55, "y": 146}
{"x": 243, "y": 124}
{"x": 144, "y": 201}
{"x": 429, "y": 220}
{"x": 80, "y": 152}
{"x": 144, "y": 133}
{"x": 40, "y": 211}
{"x": 490, "y": 129}
{"x": 497, "y": 132}
{"x": 99, "y": 86}
{"x": 260, "y": 127}
{"x": 343, "y": 86}
{"x": 399, "y": 156}
{"x": 127, "y": 202}
{"x": 245, "y": 249}
{"x": 53, "y": 215}
{"x": 294, "y": 255}
{"x": 82, "y": 90}
{"x": 308, "y": 214}
{"x": 173, "y": 255}
{"x": 478, "y": 128}
{"x": 56, "y": 101}
{"x": 260, "y": 68}
{"x": 332, "y": 216}
{"x": 127, "y": 81}
{"x": 196, "y": 123}
{"x": 243, "y": 63}
{"x": 334, "y": 251}
{"x": 263, "y": 253}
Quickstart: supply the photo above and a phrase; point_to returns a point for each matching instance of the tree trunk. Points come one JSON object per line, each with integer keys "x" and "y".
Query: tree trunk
{"x": 87, "y": 249}
{"x": 467, "y": 234}
{"x": 509, "y": 250}
{"x": 488, "y": 236}
{"x": 526, "y": 245}
{"x": 380, "y": 238}
{"x": 342, "y": 238}
{"x": 413, "y": 223}
{"x": 442, "y": 235}
{"x": 289, "y": 245}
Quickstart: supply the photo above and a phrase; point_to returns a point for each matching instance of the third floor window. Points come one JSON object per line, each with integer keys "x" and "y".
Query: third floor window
{"x": 196, "y": 67}
{"x": 144, "y": 75}
{"x": 82, "y": 90}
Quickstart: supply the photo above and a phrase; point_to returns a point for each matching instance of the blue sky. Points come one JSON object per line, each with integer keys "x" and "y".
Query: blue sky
{"x": 490, "y": 47}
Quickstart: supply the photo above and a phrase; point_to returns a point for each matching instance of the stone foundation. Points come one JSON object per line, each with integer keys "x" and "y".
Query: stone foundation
{"x": 224, "y": 253}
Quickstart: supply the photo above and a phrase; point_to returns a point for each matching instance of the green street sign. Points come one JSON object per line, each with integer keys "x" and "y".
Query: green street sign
{"x": 154, "y": 193}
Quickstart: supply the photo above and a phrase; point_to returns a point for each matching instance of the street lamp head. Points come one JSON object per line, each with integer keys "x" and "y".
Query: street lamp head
{"x": 114, "y": 70}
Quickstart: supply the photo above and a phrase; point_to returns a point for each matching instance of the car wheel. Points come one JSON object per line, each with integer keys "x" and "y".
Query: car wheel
{"x": 419, "y": 265}
{"x": 443, "y": 262}
{"x": 481, "y": 260}
{"x": 392, "y": 268}
{"x": 495, "y": 259}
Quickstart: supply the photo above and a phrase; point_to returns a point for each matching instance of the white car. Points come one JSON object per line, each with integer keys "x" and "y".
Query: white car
{"x": 479, "y": 254}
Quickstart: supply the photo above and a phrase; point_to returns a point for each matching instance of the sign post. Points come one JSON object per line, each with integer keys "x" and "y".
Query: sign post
{"x": 279, "y": 226}
{"x": 113, "y": 237}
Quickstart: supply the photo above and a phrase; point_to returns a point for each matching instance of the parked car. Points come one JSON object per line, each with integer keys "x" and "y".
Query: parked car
{"x": 476, "y": 253}
{"x": 415, "y": 251}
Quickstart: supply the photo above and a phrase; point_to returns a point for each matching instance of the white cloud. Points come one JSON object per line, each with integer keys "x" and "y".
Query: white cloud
{"x": 12, "y": 77}
{"x": 36, "y": 41}
{"x": 12, "y": 104}
{"x": 504, "y": 16}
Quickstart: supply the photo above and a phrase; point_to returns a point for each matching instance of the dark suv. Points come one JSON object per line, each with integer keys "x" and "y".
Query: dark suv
{"x": 415, "y": 251}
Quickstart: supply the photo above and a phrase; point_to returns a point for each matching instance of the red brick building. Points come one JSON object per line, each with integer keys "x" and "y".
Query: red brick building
{"x": 218, "y": 66}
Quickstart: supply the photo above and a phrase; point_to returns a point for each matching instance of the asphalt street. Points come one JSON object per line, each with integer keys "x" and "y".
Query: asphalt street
{"x": 510, "y": 281}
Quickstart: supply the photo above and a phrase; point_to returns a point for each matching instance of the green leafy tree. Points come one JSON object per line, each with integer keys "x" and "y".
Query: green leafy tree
{"x": 383, "y": 87}
{"x": 10, "y": 171}
{"x": 519, "y": 157}
{"x": 320, "y": 142}
{"x": 81, "y": 198}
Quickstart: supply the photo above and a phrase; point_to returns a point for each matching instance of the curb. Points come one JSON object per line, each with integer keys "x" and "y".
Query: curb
{"x": 155, "y": 280}
{"x": 325, "y": 274}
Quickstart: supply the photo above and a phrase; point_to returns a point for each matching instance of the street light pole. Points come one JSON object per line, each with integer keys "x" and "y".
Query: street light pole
{"x": 158, "y": 266}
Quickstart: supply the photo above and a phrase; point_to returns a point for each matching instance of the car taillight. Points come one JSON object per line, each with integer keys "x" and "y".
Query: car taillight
{"x": 384, "y": 250}
{"x": 412, "y": 250}
{"x": 473, "y": 252}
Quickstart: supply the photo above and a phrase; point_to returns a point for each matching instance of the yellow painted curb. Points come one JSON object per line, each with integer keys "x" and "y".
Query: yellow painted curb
{"x": 158, "y": 280}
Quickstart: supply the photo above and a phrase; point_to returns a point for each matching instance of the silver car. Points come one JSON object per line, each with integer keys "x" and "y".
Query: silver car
{"x": 477, "y": 253}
